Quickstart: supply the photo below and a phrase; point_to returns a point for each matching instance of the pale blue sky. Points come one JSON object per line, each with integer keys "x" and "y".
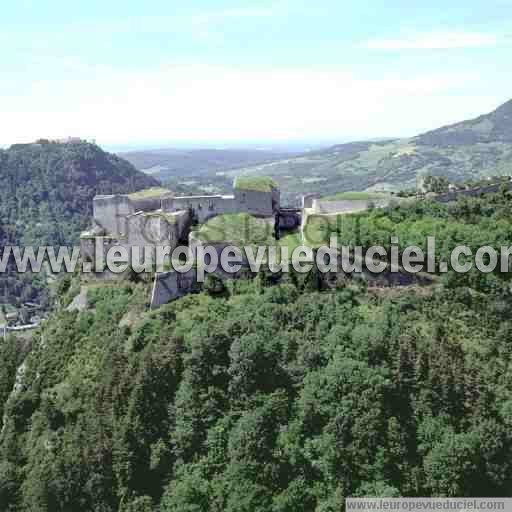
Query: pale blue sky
{"x": 163, "y": 71}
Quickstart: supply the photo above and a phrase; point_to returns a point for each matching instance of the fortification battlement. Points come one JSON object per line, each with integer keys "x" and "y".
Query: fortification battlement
{"x": 153, "y": 218}
{"x": 156, "y": 217}
{"x": 256, "y": 196}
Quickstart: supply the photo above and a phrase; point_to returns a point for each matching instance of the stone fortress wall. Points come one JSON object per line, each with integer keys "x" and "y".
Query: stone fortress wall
{"x": 204, "y": 207}
{"x": 122, "y": 222}
{"x": 312, "y": 204}
{"x": 155, "y": 217}
{"x": 152, "y": 219}
{"x": 169, "y": 286}
{"x": 108, "y": 212}
{"x": 320, "y": 206}
{"x": 256, "y": 202}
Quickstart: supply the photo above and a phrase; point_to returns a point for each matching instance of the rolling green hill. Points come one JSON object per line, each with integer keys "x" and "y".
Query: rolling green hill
{"x": 167, "y": 163}
{"x": 493, "y": 127}
{"x": 46, "y": 197}
{"x": 464, "y": 151}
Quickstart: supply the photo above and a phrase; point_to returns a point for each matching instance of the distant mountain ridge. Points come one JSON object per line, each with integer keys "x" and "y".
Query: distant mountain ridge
{"x": 468, "y": 150}
{"x": 170, "y": 162}
{"x": 55, "y": 182}
{"x": 493, "y": 127}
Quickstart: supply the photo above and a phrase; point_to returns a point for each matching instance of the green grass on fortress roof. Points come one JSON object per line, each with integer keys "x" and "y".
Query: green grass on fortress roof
{"x": 149, "y": 193}
{"x": 9, "y": 308}
{"x": 355, "y": 196}
{"x": 238, "y": 228}
{"x": 256, "y": 183}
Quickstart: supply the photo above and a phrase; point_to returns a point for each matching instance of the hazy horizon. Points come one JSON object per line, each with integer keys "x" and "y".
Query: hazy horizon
{"x": 264, "y": 145}
{"x": 126, "y": 74}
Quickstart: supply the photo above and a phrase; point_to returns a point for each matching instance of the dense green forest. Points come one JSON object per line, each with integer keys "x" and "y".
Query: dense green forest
{"x": 268, "y": 394}
{"x": 473, "y": 222}
{"x": 274, "y": 398}
{"x": 46, "y": 199}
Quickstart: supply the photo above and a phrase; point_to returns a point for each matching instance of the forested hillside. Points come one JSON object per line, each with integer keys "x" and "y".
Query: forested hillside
{"x": 46, "y": 197}
{"x": 472, "y": 222}
{"x": 268, "y": 397}
{"x": 168, "y": 163}
{"x": 464, "y": 151}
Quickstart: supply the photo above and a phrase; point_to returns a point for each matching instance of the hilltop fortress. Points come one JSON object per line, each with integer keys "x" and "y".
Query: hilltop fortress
{"x": 155, "y": 217}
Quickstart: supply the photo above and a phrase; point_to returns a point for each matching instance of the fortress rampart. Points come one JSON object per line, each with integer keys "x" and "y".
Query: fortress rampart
{"x": 320, "y": 206}
{"x": 108, "y": 211}
{"x": 169, "y": 286}
{"x": 150, "y": 219}
{"x": 155, "y": 217}
{"x": 203, "y": 207}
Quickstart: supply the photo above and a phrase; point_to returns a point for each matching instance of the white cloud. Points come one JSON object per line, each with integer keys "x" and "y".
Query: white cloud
{"x": 209, "y": 103}
{"x": 240, "y": 12}
{"x": 204, "y": 23}
{"x": 435, "y": 41}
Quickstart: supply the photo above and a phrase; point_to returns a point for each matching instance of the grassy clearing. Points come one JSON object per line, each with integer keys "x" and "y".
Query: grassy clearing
{"x": 291, "y": 240}
{"x": 149, "y": 193}
{"x": 238, "y": 228}
{"x": 255, "y": 183}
